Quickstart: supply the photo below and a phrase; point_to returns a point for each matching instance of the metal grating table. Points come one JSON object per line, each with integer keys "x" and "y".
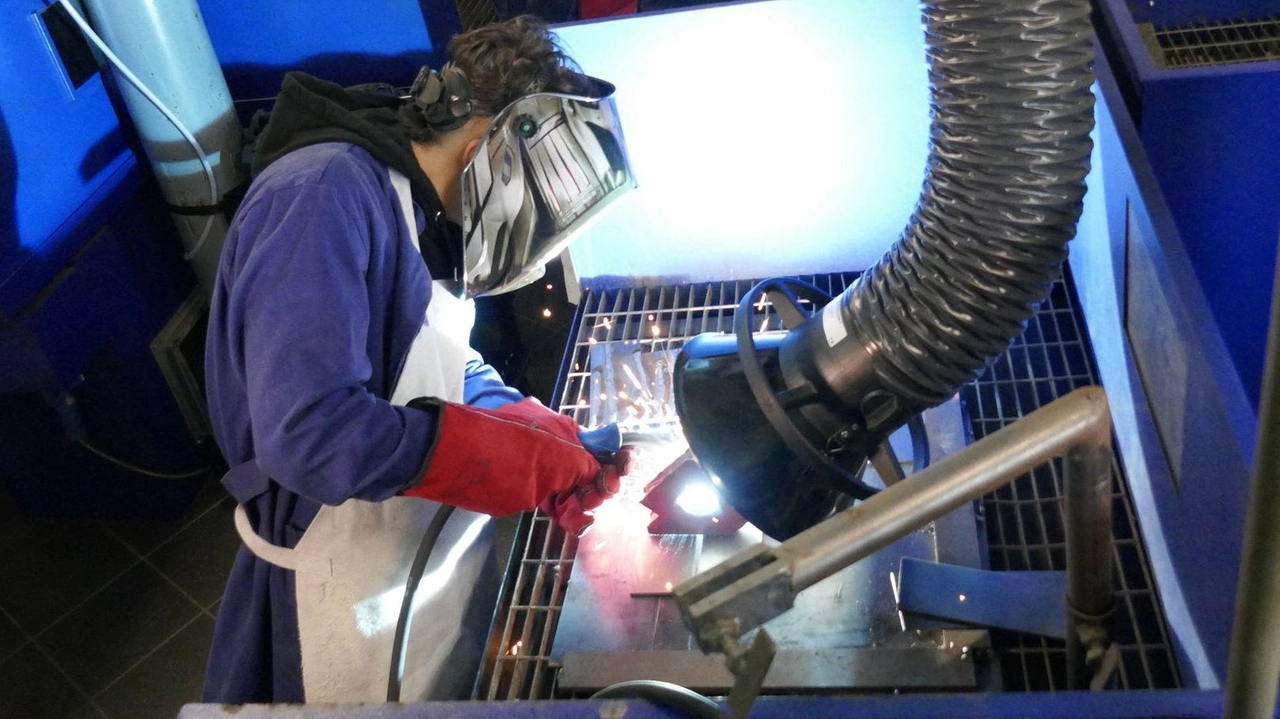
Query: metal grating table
{"x": 1224, "y": 43}
{"x": 1023, "y": 522}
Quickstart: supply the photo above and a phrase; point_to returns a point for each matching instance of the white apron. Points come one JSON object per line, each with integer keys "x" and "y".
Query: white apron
{"x": 352, "y": 562}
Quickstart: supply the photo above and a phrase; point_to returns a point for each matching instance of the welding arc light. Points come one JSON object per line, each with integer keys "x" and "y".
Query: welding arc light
{"x": 699, "y": 500}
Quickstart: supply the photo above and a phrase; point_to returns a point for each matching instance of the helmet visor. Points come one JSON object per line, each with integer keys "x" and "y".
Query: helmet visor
{"x": 547, "y": 166}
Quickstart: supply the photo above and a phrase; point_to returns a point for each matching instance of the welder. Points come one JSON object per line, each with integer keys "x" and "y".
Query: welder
{"x": 342, "y": 388}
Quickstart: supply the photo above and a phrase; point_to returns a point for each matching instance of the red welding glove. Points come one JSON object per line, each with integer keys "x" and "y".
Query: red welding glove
{"x": 572, "y": 508}
{"x": 501, "y": 461}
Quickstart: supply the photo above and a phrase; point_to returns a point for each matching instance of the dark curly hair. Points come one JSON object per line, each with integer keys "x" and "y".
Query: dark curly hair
{"x": 504, "y": 62}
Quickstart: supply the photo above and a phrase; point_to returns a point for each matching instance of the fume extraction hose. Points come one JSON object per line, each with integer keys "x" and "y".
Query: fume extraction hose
{"x": 1012, "y": 112}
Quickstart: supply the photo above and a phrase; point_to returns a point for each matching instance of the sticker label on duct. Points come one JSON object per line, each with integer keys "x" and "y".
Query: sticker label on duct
{"x": 832, "y": 324}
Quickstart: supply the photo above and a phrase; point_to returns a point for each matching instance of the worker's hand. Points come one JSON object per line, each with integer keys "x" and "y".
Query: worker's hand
{"x": 502, "y": 461}
{"x": 572, "y": 508}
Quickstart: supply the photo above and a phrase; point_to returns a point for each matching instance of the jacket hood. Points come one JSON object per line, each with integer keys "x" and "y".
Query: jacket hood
{"x": 309, "y": 111}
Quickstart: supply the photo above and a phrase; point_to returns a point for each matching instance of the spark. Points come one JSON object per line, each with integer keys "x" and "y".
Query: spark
{"x": 515, "y": 648}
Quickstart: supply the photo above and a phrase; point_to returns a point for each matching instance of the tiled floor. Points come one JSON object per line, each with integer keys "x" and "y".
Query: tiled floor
{"x": 114, "y": 619}
{"x": 109, "y": 619}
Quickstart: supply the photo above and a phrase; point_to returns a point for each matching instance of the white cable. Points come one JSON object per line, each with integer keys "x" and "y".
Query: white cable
{"x": 140, "y": 470}
{"x": 164, "y": 110}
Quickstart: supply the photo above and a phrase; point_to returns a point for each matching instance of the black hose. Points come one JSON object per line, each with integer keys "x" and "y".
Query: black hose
{"x": 416, "y": 569}
{"x": 1009, "y": 151}
{"x": 673, "y": 696}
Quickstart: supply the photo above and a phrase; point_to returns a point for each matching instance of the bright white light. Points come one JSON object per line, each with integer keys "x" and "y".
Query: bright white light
{"x": 699, "y": 500}
{"x": 832, "y": 159}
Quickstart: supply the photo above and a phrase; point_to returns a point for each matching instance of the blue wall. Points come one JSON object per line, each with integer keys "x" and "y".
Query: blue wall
{"x": 346, "y": 41}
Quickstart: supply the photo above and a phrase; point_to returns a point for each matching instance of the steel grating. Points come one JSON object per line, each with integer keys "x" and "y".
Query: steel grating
{"x": 1024, "y": 518}
{"x": 1225, "y": 43}
{"x": 1023, "y": 521}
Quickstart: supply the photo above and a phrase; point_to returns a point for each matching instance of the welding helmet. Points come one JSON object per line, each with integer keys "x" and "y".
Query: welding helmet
{"x": 546, "y": 167}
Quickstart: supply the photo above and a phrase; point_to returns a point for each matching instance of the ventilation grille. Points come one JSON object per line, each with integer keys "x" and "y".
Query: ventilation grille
{"x": 1024, "y": 525}
{"x": 1205, "y": 44}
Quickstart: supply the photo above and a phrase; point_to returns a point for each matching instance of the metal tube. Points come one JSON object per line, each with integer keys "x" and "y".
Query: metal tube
{"x": 1254, "y": 666}
{"x": 759, "y": 584}
{"x": 1079, "y": 420}
{"x": 1087, "y": 510}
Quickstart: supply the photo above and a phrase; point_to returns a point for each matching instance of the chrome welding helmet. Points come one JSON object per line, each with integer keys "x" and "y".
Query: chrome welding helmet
{"x": 547, "y": 166}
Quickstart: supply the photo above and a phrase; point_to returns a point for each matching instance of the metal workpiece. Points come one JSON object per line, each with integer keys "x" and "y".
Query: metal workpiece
{"x": 753, "y": 587}
{"x": 1254, "y": 664}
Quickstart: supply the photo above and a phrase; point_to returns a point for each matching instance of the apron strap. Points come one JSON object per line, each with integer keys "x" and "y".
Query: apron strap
{"x": 262, "y": 549}
{"x": 246, "y": 482}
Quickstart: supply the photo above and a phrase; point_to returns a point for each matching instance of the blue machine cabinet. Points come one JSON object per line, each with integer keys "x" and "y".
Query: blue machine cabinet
{"x": 90, "y": 270}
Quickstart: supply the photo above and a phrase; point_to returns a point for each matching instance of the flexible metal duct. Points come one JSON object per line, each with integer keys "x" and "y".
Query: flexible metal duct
{"x": 1012, "y": 112}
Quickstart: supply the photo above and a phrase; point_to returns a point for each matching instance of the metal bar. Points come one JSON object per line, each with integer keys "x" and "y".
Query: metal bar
{"x": 1087, "y": 486}
{"x": 1078, "y": 425}
{"x": 1254, "y": 664}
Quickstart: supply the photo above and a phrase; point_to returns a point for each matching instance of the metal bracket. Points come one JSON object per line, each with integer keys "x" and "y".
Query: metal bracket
{"x": 749, "y": 667}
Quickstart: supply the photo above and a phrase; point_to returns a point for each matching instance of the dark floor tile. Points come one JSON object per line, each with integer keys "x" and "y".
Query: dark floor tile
{"x": 199, "y": 558}
{"x": 11, "y": 638}
{"x": 145, "y": 535}
{"x": 56, "y": 574}
{"x": 164, "y": 681}
{"x": 85, "y": 711}
{"x": 33, "y": 687}
{"x": 16, "y": 529}
{"x": 107, "y": 635}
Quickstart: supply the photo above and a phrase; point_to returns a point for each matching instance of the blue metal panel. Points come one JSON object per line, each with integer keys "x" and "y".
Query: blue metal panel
{"x": 1169, "y": 13}
{"x": 59, "y": 148}
{"x": 346, "y": 41}
{"x": 1034, "y": 602}
{"x": 1063, "y": 705}
{"x": 1213, "y": 141}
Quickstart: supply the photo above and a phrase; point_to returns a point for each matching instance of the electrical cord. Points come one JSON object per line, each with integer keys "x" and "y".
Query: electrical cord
{"x": 145, "y": 472}
{"x": 416, "y": 569}
{"x": 664, "y": 694}
{"x": 146, "y": 92}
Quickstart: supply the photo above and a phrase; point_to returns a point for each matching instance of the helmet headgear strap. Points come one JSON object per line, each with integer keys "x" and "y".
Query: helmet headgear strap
{"x": 442, "y": 98}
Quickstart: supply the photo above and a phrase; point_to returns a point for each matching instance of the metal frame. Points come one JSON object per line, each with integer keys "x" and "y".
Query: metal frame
{"x": 761, "y": 583}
